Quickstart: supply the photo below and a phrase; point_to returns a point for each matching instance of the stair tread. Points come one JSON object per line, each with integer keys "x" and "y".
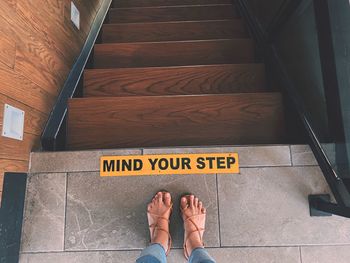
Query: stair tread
{"x": 209, "y": 79}
{"x": 174, "y": 53}
{"x": 175, "y": 120}
{"x": 152, "y": 3}
{"x": 173, "y": 31}
{"x": 164, "y": 14}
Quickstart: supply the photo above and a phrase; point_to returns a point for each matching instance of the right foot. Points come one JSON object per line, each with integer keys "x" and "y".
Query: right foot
{"x": 193, "y": 215}
{"x": 158, "y": 213}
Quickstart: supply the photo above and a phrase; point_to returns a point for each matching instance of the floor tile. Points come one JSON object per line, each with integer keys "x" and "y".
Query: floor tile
{"x": 221, "y": 255}
{"x": 325, "y": 254}
{"x": 256, "y": 255}
{"x": 269, "y": 207}
{"x": 249, "y": 156}
{"x": 302, "y": 155}
{"x": 110, "y": 213}
{"x": 78, "y": 161}
{"x": 43, "y": 222}
{"x": 81, "y": 257}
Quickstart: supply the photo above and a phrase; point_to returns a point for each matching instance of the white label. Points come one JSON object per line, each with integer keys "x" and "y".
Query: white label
{"x": 75, "y": 15}
{"x": 13, "y": 124}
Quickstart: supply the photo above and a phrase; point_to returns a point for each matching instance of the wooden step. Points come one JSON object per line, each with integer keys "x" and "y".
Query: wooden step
{"x": 177, "y": 53}
{"x": 152, "y": 3}
{"x": 155, "y": 121}
{"x": 212, "y": 79}
{"x": 167, "y": 14}
{"x": 173, "y": 31}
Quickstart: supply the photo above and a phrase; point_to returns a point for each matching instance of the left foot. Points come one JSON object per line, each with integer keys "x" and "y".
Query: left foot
{"x": 158, "y": 213}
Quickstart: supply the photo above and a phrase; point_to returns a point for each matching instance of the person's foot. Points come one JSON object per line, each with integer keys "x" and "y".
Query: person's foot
{"x": 158, "y": 213}
{"x": 193, "y": 215}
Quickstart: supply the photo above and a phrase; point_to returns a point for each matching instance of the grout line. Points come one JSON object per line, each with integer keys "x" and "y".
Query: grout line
{"x": 24, "y": 212}
{"x": 291, "y": 156}
{"x": 65, "y": 214}
{"x": 176, "y": 248}
{"x": 218, "y": 206}
{"x": 300, "y": 256}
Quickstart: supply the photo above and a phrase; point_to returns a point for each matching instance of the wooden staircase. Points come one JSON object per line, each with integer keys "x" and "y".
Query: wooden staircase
{"x": 174, "y": 73}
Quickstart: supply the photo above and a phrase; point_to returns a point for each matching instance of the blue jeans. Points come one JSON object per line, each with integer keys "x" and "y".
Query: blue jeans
{"x": 155, "y": 253}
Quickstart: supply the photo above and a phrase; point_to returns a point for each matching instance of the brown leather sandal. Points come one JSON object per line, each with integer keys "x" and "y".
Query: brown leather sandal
{"x": 156, "y": 226}
{"x": 198, "y": 230}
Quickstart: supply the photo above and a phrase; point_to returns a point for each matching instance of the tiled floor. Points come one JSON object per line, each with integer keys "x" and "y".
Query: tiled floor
{"x": 260, "y": 215}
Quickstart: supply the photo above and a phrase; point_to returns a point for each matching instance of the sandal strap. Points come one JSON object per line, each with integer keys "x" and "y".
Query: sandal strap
{"x": 187, "y": 255}
{"x": 156, "y": 226}
{"x": 170, "y": 241}
{"x": 159, "y": 217}
{"x": 197, "y": 230}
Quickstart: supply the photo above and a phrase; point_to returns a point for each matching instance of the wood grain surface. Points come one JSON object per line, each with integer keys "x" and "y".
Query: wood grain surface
{"x": 23, "y": 90}
{"x": 150, "y": 3}
{"x": 212, "y": 79}
{"x": 164, "y": 14}
{"x": 180, "y": 53}
{"x": 38, "y": 46}
{"x": 169, "y": 31}
{"x": 11, "y": 149}
{"x": 34, "y": 120}
{"x": 160, "y": 121}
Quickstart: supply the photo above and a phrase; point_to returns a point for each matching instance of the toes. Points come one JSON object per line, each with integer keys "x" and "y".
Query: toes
{"x": 160, "y": 197}
{"x": 191, "y": 201}
{"x": 200, "y": 205}
{"x": 149, "y": 207}
{"x": 196, "y": 202}
{"x": 183, "y": 202}
{"x": 167, "y": 199}
{"x": 204, "y": 210}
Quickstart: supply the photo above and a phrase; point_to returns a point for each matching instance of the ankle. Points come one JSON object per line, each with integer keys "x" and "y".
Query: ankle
{"x": 161, "y": 243}
{"x": 160, "y": 238}
{"x": 194, "y": 244}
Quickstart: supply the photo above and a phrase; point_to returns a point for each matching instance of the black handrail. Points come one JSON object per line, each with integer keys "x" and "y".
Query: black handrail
{"x": 265, "y": 39}
{"x": 53, "y": 136}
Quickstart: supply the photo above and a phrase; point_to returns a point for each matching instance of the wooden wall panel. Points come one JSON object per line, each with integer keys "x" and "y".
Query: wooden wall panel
{"x": 18, "y": 150}
{"x": 7, "y": 41}
{"x": 7, "y": 46}
{"x": 38, "y": 47}
{"x": 41, "y": 22}
{"x": 20, "y": 88}
{"x": 34, "y": 120}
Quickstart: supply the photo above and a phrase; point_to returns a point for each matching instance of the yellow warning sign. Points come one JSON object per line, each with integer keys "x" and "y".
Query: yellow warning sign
{"x": 207, "y": 163}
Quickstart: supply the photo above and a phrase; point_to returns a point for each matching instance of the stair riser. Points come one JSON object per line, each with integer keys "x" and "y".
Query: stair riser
{"x": 153, "y": 3}
{"x": 173, "y": 53}
{"x": 154, "y": 32}
{"x": 166, "y": 14}
{"x": 175, "y": 121}
{"x": 175, "y": 81}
